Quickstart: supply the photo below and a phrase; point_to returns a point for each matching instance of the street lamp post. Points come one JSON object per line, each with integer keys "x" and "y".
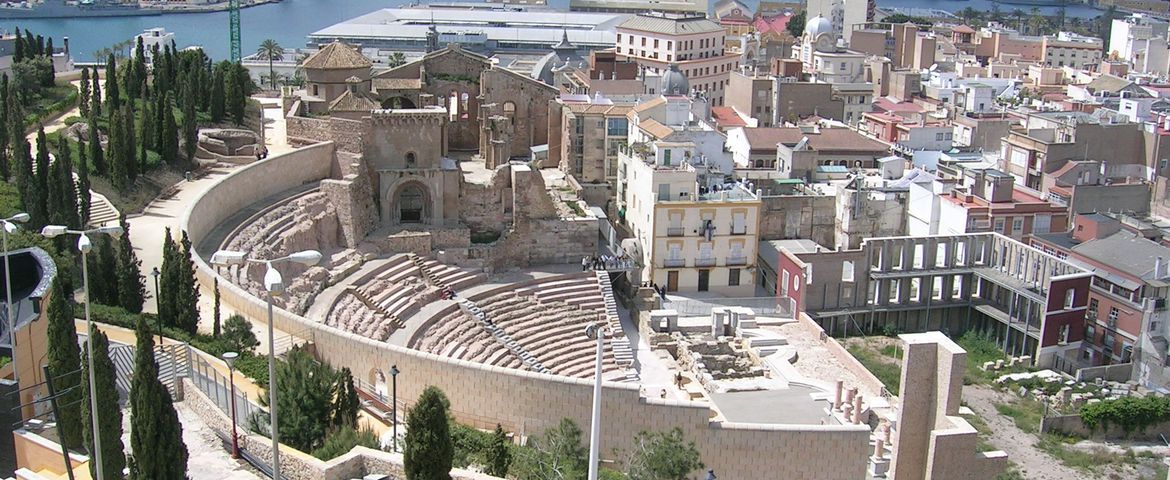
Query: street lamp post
{"x": 596, "y": 331}
{"x": 157, "y": 314}
{"x": 273, "y": 285}
{"x": 394, "y": 405}
{"x": 230, "y": 358}
{"x": 85, "y": 246}
{"x": 9, "y": 225}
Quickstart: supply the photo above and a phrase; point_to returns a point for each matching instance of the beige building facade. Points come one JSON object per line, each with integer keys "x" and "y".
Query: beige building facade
{"x": 695, "y": 44}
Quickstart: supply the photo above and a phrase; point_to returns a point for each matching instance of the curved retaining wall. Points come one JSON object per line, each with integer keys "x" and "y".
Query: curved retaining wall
{"x": 525, "y": 402}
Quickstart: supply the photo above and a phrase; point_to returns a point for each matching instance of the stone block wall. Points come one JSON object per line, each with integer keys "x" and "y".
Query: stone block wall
{"x": 483, "y": 207}
{"x": 353, "y": 201}
{"x": 1073, "y": 425}
{"x": 799, "y": 216}
{"x": 346, "y": 134}
{"x": 526, "y": 402}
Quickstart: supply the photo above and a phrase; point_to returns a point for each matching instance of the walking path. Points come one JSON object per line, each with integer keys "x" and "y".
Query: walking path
{"x": 1033, "y": 463}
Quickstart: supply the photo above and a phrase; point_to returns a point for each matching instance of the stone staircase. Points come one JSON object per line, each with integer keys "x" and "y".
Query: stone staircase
{"x": 621, "y": 344}
{"x": 101, "y": 211}
{"x": 395, "y": 321}
{"x": 472, "y": 310}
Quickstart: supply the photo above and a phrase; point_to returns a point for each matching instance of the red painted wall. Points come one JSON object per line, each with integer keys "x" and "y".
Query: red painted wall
{"x": 788, "y": 263}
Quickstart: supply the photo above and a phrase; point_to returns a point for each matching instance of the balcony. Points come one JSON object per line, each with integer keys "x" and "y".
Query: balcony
{"x": 675, "y": 231}
{"x": 736, "y": 260}
{"x": 742, "y": 230}
{"x": 705, "y": 262}
{"x": 675, "y": 262}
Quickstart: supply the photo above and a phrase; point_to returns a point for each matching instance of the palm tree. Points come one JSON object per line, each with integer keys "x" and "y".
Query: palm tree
{"x": 969, "y": 15}
{"x": 1019, "y": 16}
{"x": 271, "y": 51}
{"x": 1037, "y": 21}
{"x": 396, "y": 59}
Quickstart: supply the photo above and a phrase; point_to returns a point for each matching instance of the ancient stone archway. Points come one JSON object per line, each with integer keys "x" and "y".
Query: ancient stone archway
{"x": 412, "y": 204}
{"x": 398, "y": 102}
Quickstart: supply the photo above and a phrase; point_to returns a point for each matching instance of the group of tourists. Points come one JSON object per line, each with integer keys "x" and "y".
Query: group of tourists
{"x": 606, "y": 262}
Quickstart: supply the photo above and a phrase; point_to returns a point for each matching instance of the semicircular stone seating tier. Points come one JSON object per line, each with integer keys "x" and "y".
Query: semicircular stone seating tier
{"x": 539, "y": 327}
{"x": 380, "y": 304}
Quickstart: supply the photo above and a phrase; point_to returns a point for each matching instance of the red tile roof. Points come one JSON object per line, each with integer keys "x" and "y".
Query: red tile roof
{"x": 726, "y": 117}
{"x": 834, "y": 139}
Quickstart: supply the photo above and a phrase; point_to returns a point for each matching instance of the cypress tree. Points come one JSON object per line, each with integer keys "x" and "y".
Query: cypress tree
{"x": 62, "y": 196}
{"x": 64, "y": 360}
{"x": 96, "y": 155}
{"x": 30, "y": 45}
{"x": 49, "y": 47}
{"x": 217, "y": 94}
{"x": 156, "y": 437}
{"x": 215, "y": 325}
{"x": 157, "y": 122}
{"x": 145, "y": 134}
{"x": 82, "y": 183}
{"x": 37, "y": 201}
{"x": 429, "y": 451}
{"x": 131, "y": 283}
{"x": 95, "y": 96}
{"x": 112, "y": 95}
{"x": 130, "y": 143}
{"x": 18, "y": 54}
{"x": 190, "y": 129}
{"x": 187, "y": 305}
{"x": 346, "y": 402}
{"x": 109, "y": 413}
{"x": 168, "y": 287}
{"x": 5, "y": 168}
{"x": 170, "y": 132}
{"x": 103, "y": 272}
{"x": 83, "y": 106}
{"x": 498, "y": 457}
{"x": 239, "y": 100}
{"x": 40, "y": 45}
{"x": 139, "y": 70}
{"x": 119, "y": 176}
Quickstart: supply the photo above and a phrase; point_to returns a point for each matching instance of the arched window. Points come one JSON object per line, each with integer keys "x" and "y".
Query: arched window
{"x": 453, "y": 105}
{"x": 510, "y": 112}
{"x": 463, "y": 108}
{"x": 410, "y": 160}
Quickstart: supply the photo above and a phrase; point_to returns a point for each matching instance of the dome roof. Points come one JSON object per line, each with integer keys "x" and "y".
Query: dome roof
{"x": 673, "y": 82}
{"x": 817, "y": 25}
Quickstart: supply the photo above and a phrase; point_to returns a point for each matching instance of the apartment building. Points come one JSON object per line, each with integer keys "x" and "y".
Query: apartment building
{"x": 1140, "y": 41}
{"x": 1071, "y": 50}
{"x": 986, "y": 200}
{"x": 1126, "y": 312}
{"x": 1032, "y": 303}
{"x": 694, "y": 43}
{"x": 591, "y": 131}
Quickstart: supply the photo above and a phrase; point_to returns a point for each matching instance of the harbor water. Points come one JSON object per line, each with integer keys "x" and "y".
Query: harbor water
{"x": 289, "y": 22}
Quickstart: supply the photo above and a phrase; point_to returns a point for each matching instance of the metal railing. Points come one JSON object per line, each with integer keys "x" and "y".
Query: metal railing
{"x": 705, "y": 262}
{"x": 216, "y": 386}
{"x": 675, "y": 231}
{"x": 737, "y": 260}
{"x": 782, "y": 307}
{"x": 675, "y": 262}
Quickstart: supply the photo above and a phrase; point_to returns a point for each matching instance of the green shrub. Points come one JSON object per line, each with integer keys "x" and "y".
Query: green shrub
{"x": 470, "y": 445}
{"x": 343, "y": 440}
{"x": 1130, "y": 413}
{"x": 73, "y": 119}
{"x": 890, "y": 374}
{"x": 4, "y": 361}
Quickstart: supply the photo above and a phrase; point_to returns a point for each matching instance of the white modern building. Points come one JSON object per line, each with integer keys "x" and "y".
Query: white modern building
{"x": 152, "y": 38}
{"x": 843, "y": 14}
{"x": 1140, "y": 40}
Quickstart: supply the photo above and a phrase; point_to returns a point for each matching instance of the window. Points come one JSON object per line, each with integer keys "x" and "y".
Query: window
{"x": 617, "y": 127}
{"x": 1017, "y": 225}
{"x": 1113, "y": 313}
{"x": 1069, "y": 296}
{"x": 847, "y": 271}
{"x": 1063, "y": 334}
{"x": 666, "y": 157}
{"x": 1093, "y": 306}
{"x": 410, "y": 160}
{"x": 998, "y": 225}
{"x": 784, "y": 283}
{"x": 1091, "y": 333}
{"x": 733, "y": 277}
{"x": 655, "y": 43}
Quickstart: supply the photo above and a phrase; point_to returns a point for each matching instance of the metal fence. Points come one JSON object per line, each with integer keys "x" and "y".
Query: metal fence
{"x": 218, "y": 389}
